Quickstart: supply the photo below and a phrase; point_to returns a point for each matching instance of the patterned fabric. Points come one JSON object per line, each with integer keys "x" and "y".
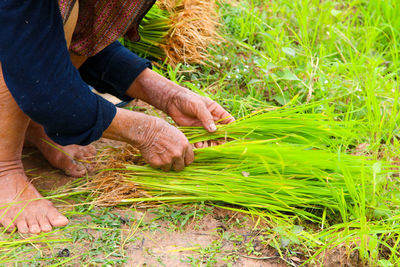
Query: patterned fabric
{"x": 101, "y": 22}
{"x": 66, "y": 8}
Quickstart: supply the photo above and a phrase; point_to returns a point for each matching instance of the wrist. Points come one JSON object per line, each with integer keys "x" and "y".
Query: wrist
{"x": 155, "y": 89}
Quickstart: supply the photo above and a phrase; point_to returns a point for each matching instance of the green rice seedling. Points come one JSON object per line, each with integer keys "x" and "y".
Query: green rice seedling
{"x": 277, "y": 177}
{"x": 293, "y": 124}
{"x": 152, "y": 29}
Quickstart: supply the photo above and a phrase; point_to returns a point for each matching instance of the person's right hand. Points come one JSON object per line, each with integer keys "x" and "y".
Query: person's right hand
{"x": 164, "y": 146}
{"x": 161, "y": 145}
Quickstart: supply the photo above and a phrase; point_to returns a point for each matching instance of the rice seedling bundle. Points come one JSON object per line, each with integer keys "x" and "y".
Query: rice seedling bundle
{"x": 279, "y": 178}
{"x": 291, "y": 124}
{"x": 282, "y": 162}
{"x": 153, "y": 30}
{"x": 178, "y": 31}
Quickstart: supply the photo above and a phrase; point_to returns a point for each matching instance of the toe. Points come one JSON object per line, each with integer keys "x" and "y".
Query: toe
{"x": 33, "y": 225}
{"x": 91, "y": 151}
{"x": 22, "y": 226}
{"x": 56, "y": 219}
{"x": 80, "y": 154}
{"x": 87, "y": 153}
{"x": 34, "y": 229}
{"x": 44, "y": 224}
{"x": 76, "y": 169}
{"x": 8, "y": 224}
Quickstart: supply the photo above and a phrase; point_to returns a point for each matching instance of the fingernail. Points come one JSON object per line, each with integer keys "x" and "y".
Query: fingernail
{"x": 212, "y": 127}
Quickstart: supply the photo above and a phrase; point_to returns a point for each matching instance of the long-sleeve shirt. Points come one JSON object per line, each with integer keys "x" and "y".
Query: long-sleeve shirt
{"x": 40, "y": 76}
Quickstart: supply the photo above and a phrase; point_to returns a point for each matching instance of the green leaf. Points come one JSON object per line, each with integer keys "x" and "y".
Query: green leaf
{"x": 336, "y": 12}
{"x": 377, "y": 167}
{"x": 384, "y": 263}
{"x": 282, "y": 99}
{"x": 289, "y": 51}
{"x": 289, "y": 76}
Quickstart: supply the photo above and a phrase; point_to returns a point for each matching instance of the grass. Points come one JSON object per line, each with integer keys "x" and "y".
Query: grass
{"x": 340, "y": 55}
{"x": 340, "y": 59}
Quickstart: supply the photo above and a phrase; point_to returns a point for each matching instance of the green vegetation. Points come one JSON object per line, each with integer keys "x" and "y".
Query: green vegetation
{"x": 325, "y": 75}
{"x": 153, "y": 29}
{"x": 342, "y": 56}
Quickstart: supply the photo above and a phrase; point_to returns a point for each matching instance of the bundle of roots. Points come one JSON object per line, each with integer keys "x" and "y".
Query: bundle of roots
{"x": 193, "y": 30}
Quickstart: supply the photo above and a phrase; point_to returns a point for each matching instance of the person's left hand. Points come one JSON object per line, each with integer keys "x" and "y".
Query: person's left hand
{"x": 190, "y": 109}
{"x": 185, "y": 107}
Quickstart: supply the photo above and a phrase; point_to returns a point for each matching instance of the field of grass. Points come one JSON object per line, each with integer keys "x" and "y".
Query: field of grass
{"x": 341, "y": 58}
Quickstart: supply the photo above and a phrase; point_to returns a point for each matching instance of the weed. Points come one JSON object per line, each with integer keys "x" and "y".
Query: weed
{"x": 178, "y": 218}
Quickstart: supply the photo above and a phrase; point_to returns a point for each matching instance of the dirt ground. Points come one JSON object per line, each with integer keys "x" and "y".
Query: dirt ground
{"x": 173, "y": 248}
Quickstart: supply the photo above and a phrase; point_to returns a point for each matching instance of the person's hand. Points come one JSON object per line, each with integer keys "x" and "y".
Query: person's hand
{"x": 189, "y": 109}
{"x": 165, "y": 147}
{"x": 161, "y": 144}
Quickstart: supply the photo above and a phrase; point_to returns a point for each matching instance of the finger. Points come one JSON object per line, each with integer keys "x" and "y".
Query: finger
{"x": 189, "y": 156}
{"x": 178, "y": 155}
{"x": 213, "y": 143}
{"x": 204, "y": 115}
{"x": 224, "y": 117}
{"x": 219, "y": 113}
{"x": 228, "y": 119}
{"x": 179, "y": 164}
{"x": 198, "y": 145}
{"x": 167, "y": 161}
{"x": 209, "y": 143}
{"x": 166, "y": 167}
{"x": 155, "y": 162}
{"x": 220, "y": 142}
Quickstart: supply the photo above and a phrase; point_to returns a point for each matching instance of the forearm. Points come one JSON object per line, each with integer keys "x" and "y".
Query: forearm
{"x": 155, "y": 89}
{"x": 131, "y": 127}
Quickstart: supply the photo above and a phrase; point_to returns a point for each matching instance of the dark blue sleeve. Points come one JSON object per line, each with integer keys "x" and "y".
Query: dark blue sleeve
{"x": 113, "y": 70}
{"x": 40, "y": 76}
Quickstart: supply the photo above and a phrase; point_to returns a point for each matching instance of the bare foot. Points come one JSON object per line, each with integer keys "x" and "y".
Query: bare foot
{"x": 18, "y": 209}
{"x": 74, "y": 160}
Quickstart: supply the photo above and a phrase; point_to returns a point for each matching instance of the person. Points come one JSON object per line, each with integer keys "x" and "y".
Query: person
{"x": 49, "y": 53}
